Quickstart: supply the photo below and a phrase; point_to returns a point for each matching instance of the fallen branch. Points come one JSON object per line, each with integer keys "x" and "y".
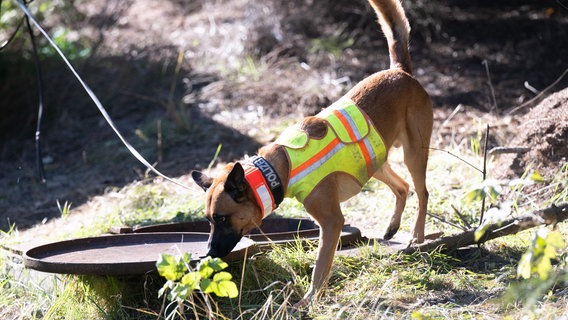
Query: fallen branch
{"x": 548, "y": 216}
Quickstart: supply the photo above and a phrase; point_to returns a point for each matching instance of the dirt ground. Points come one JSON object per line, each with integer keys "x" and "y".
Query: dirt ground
{"x": 247, "y": 68}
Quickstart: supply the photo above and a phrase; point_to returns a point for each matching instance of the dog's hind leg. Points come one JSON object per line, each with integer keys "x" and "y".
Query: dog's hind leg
{"x": 400, "y": 189}
{"x": 416, "y": 147}
{"x": 416, "y": 161}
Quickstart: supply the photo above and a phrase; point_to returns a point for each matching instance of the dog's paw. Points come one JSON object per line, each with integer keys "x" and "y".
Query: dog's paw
{"x": 390, "y": 232}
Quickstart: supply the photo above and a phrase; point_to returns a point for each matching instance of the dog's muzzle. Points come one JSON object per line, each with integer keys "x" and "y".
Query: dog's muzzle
{"x": 222, "y": 240}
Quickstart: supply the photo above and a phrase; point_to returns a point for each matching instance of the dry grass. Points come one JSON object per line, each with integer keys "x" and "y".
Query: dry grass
{"x": 267, "y": 64}
{"x": 370, "y": 285}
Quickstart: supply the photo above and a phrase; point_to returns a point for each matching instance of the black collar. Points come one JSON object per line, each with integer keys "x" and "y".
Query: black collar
{"x": 271, "y": 178}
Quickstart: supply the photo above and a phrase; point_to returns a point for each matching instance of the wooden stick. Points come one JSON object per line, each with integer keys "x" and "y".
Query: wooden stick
{"x": 548, "y": 216}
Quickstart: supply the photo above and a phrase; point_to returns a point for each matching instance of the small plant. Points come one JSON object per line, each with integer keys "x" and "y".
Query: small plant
{"x": 186, "y": 285}
{"x": 65, "y": 209}
{"x": 537, "y": 260}
{"x": 540, "y": 281}
{"x": 495, "y": 188}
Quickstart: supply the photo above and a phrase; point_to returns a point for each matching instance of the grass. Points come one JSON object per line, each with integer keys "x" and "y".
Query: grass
{"x": 474, "y": 283}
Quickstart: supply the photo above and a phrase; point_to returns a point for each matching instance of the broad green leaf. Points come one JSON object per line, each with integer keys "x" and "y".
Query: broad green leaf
{"x": 416, "y": 315}
{"x": 206, "y": 285}
{"x": 191, "y": 280}
{"x": 554, "y": 239}
{"x": 221, "y": 285}
{"x": 227, "y": 289}
{"x": 217, "y": 264}
{"x": 205, "y": 270}
{"x": 537, "y": 258}
{"x": 549, "y": 252}
{"x": 180, "y": 292}
{"x": 474, "y": 195}
{"x": 187, "y": 258}
{"x": 222, "y": 276}
{"x": 209, "y": 266}
{"x": 543, "y": 268}
{"x": 490, "y": 188}
{"x": 170, "y": 267}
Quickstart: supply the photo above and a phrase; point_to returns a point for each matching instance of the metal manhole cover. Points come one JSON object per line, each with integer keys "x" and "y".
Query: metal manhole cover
{"x": 125, "y": 254}
{"x": 272, "y": 230}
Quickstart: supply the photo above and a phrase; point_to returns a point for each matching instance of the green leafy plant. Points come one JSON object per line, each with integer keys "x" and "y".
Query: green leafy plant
{"x": 183, "y": 282}
{"x": 493, "y": 189}
{"x": 537, "y": 259}
{"x": 70, "y": 44}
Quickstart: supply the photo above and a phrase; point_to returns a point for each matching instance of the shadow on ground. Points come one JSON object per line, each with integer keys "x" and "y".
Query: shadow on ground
{"x": 81, "y": 153}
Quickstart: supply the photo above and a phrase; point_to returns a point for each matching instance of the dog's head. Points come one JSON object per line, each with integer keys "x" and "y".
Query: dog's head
{"x": 230, "y": 208}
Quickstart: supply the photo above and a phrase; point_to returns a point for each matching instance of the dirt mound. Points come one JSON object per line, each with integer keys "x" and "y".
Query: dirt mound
{"x": 544, "y": 131}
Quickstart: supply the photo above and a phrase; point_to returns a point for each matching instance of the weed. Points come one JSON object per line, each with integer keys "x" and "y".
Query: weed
{"x": 334, "y": 44}
{"x": 65, "y": 209}
{"x": 183, "y": 284}
{"x": 70, "y": 44}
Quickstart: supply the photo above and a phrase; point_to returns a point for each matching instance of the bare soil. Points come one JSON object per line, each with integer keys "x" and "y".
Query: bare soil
{"x": 544, "y": 132}
{"x": 247, "y": 68}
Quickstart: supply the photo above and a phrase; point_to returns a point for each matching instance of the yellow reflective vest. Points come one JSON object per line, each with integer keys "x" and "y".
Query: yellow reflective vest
{"x": 351, "y": 145}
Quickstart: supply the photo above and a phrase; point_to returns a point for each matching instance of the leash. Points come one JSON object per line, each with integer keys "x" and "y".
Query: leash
{"x": 96, "y": 101}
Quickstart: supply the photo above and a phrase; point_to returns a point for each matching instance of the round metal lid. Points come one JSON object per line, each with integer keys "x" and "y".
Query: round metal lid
{"x": 272, "y": 229}
{"x": 125, "y": 254}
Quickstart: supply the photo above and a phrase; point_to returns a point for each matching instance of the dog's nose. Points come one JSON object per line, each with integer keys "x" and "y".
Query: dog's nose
{"x": 212, "y": 253}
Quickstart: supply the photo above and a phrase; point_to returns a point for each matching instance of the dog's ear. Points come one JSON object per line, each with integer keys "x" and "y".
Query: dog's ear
{"x": 236, "y": 184}
{"x": 202, "y": 180}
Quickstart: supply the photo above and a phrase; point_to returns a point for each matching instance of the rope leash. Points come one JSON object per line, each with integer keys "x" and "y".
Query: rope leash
{"x": 95, "y": 100}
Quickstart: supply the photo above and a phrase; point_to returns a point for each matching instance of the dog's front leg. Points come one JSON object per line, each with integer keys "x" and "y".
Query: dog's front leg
{"x": 327, "y": 213}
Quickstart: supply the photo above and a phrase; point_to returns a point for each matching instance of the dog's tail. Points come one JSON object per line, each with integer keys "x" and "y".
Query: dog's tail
{"x": 396, "y": 28}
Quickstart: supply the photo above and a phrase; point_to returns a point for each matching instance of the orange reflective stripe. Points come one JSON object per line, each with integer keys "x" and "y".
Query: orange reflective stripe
{"x": 315, "y": 158}
{"x": 260, "y": 188}
{"x": 361, "y": 143}
{"x": 346, "y": 124}
{"x": 367, "y": 157}
{"x": 351, "y": 145}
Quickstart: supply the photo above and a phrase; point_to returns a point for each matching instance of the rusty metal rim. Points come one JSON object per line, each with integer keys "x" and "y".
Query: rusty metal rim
{"x": 303, "y": 228}
{"x": 37, "y": 258}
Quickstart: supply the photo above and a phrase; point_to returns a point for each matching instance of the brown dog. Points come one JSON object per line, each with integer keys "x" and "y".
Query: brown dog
{"x": 392, "y": 101}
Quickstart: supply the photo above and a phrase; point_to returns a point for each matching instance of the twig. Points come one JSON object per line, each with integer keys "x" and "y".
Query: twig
{"x": 538, "y": 95}
{"x": 531, "y": 88}
{"x": 462, "y": 218}
{"x": 486, "y": 64}
{"x": 451, "y": 116}
{"x": 459, "y": 158}
{"x": 446, "y": 221}
{"x": 502, "y": 150}
{"x": 159, "y": 142}
{"x": 548, "y": 216}
{"x": 484, "y": 172}
{"x": 171, "y": 103}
